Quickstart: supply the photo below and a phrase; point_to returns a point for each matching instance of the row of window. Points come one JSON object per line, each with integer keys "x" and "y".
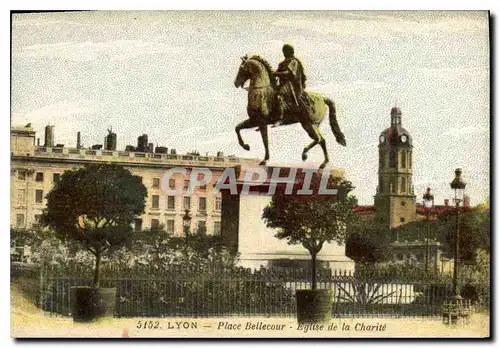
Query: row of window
{"x": 400, "y": 256}
{"x": 39, "y": 177}
{"x": 21, "y": 196}
{"x": 394, "y": 159}
{"x": 171, "y": 184}
{"x": 202, "y": 203}
{"x": 201, "y": 226}
{"x": 403, "y": 185}
{"x": 170, "y": 224}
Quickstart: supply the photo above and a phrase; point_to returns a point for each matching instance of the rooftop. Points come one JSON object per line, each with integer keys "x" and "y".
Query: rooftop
{"x": 144, "y": 158}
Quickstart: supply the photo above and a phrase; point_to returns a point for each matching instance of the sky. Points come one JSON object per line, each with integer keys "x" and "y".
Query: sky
{"x": 170, "y": 75}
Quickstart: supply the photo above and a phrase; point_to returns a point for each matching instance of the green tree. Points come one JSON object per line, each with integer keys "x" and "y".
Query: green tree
{"x": 474, "y": 232}
{"x": 95, "y": 206}
{"x": 367, "y": 241}
{"x": 312, "y": 220}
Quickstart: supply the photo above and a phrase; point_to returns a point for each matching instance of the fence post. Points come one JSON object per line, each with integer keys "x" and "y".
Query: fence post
{"x": 42, "y": 287}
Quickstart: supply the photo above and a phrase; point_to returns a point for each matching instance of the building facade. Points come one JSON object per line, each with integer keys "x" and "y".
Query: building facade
{"x": 35, "y": 169}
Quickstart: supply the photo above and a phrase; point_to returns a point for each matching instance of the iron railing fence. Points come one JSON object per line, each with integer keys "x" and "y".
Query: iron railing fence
{"x": 211, "y": 291}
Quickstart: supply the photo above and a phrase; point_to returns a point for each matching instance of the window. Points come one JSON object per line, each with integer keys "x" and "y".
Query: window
{"x": 409, "y": 160}
{"x": 403, "y": 159}
{"x": 402, "y": 219}
{"x": 202, "y": 227}
{"x": 155, "y": 223}
{"x": 394, "y": 185}
{"x": 38, "y": 218}
{"x": 21, "y": 196}
{"x": 393, "y": 159}
{"x": 156, "y": 182}
{"x": 138, "y": 225}
{"x": 156, "y": 202}
{"x": 171, "y": 202}
{"x": 381, "y": 161}
{"x": 170, "y": 226}
{"x": 403, "y": 203}
{"x": 20, "y": 220}
{"x": 187, "y": 203}
{"x": 216, "y": 228}
{"x": 39, "y": 196}
{"x": 186, "y": 184}
{"x": 56, "y": 177}
{"x": 39, "y": 177}
{"x": 171, "y": 183}
{"x": 21, "y": 175}
{"x": 202, "y": 204}
{"x": 218, "y": 203}
{"x": 403, "y": 184}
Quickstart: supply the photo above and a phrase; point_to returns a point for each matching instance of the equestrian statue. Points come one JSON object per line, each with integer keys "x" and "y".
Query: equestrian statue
{"x": 279, "y": 98}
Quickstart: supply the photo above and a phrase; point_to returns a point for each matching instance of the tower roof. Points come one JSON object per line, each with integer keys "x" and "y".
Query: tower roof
{"x": 396, "y": 134}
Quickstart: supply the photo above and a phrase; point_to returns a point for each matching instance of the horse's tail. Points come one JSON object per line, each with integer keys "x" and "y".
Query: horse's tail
{"x": 332, "y": 113}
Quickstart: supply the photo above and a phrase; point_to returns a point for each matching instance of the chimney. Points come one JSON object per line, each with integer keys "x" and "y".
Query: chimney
{"x": 78, "y": 140}
{"x": 49, "y": 136}
{"x": 110, "y": 141}
{"x": 446, "y": 202}
{"x": 150, "y": 147}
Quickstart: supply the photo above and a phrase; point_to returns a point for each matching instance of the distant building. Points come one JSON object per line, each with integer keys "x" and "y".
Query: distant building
{"x": 35, "y": 170}
{"x": 395, "y": 201}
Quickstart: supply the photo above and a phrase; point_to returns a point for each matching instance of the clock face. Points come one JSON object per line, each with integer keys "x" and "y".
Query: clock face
{"x": 382, "y": 138}
{"x": 404, "y": 138}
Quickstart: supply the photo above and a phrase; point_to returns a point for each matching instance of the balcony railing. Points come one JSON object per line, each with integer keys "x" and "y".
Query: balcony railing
{"x": 137, "y": 157}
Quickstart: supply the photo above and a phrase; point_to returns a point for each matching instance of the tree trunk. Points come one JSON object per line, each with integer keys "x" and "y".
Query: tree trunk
{"x": 313, "y": 259}
{"x": 97, "y": 271}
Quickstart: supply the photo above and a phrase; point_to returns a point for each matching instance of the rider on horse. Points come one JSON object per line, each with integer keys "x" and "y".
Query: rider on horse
{"x": 292, "y": 83}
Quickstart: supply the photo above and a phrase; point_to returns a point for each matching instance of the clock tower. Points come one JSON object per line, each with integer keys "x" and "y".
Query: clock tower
{"x": 395, "y": 200}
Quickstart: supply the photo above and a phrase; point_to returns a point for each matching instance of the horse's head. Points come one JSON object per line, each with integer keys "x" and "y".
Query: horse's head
{"x": 243, "y": 73}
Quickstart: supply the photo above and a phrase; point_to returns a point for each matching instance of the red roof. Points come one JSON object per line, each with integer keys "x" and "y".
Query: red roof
{"x": 436, "y": 210}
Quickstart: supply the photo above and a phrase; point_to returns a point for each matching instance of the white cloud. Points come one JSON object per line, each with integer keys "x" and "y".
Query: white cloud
{"x": 454, "y": 72}
{"x": 468, "y": 130}
{"x": 56, "y": 111}
{"x": 384, "y": 26}
{"x": 348, "y": 87}
{"x": 89, "y": 51}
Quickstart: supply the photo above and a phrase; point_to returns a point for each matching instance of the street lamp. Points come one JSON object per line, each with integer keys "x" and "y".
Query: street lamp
{"x": 187, "y": 224}
{"x": 458, "y": 185}
{"x": 428, "y": 199}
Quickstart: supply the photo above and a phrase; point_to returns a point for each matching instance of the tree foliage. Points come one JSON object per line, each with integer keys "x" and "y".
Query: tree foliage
{"x": 96, "y": 205}
{"x": 367, "y": 241}
{"x": 314, "y": 219}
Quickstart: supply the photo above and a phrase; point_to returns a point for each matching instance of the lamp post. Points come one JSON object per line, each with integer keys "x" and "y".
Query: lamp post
{"x": 428, "y": 199}
{"x": 186, "y": 219}
{"x": 458, "y": 185}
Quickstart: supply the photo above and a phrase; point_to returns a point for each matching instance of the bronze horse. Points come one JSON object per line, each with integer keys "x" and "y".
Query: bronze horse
{"x": 262, "y": 104}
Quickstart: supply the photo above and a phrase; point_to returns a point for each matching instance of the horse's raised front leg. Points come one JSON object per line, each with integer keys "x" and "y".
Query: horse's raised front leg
{"x": 243, "y": 125}
{"x": 265, "y": 140}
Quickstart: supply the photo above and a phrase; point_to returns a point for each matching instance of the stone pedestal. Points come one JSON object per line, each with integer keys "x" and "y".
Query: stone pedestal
{"x": 245, "y": 232}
